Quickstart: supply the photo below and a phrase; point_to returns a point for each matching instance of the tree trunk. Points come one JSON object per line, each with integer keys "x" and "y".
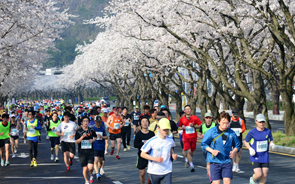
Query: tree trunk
{"x": 178, "y": 106}
{"x": 276, "y": 101}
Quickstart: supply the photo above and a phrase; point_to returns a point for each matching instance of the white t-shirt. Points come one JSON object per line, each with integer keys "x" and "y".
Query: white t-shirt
{"x": 68, "y": 129}
{"x": 158, "y": 147}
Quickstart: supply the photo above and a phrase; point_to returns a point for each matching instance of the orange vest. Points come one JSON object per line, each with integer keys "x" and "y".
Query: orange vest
{"x": 104, "y": 119}
{"x": 115, "y": 123}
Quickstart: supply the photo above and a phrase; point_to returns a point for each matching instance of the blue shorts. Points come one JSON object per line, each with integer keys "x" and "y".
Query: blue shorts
{"x": 54, "y": 141}
{"x": 219, "y": 171}
{"x": 99, "y": 153}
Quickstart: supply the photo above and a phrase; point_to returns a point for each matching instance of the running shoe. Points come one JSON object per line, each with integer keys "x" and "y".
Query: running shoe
{"x": 25, "y": 141}
{"x": 56, "y": 159}
{"x": 2, "y": 162}
{"x": 91, "y": 178}
{"x": 117, "y": 157}
{"x": 105, "y": 152}
{"x": 13, "y": 156}
{"x": 234, "y": 168}
{"x": 149, "y": 181}
{"x": 186, "y": 164}
{"x": 52, "y": 157}
{"x": 32, "y": 164}
{"x": 101, "y": 171}
{"x": 125, "y": 149}
{"x": 71, "y": 161}
{"x": 98, "y": 176}
{"x": 252, "y": 181}
{"x": 35, "y": 163}
{"x": 238, "y": 169}
{"x": 47, "y": 137}
{"x": 15, "y": 150}
{"x": 86, "y": 182}
{"x": 7, "y": 163}
{"x": 192, "y": 168}
{"x": 68, "y": 169}
{"x": 112, "y": 152}
{"x": 128, "y": 147}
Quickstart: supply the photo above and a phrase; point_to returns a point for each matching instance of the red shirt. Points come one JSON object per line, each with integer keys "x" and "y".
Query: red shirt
{"x": 111, "y": 113}
{"x": 184, "y": 121}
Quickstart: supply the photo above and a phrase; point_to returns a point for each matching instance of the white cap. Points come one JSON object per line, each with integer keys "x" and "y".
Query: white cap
{"x": 105, "y": 110}
{"x": 260, "y": 117}
{"x": 12, "y": 116}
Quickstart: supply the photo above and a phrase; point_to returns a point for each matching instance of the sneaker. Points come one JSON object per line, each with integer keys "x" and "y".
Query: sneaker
{"x": 192, "y": 168}
{"x": 134, "y": 137}
{"x": 13, "y": 156}
{"x": 234, "y": 168}
{"x": 59, "y": 147}
{"x": 86, "y": 182}
{"x": 117, "y": 157}
{"x": 98, "y": 177}
{"x": 35, "y": 163}
{"x": 125, "y": 149}
{"x": 68, "y": 169}
{"x": 15, "y": 150}
{"x": 7, "y": 163}
{"x": 52, "y": 157}
{"x": 186, "y": 164}
{"x": 25, "y": 141}
{"x": 47, "y": 137}
{"x": 112, "y": 152}
{"x": 149, "y": 181}
{"x": 238, "y": 169}
{"x": 56, "y": 159}
{"x": 32, "y": 164}
{"x": 91, "y": 178}
{"x": 2, "y": 163}
{"x": 252, "y": 181}
{"x": 128, "y": 147}
{"x": 71, "y": 162}
{"x": 105, "y": 152}
{"x": 101, "y": 171}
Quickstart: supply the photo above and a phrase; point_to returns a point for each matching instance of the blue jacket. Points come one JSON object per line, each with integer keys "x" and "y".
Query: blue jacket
{"x": 232, "y": 141}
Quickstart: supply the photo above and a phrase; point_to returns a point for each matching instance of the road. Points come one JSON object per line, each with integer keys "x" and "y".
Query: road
{"x": 282, "y": 168}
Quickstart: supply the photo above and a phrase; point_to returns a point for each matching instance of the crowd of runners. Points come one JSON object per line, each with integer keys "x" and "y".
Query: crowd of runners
{"x": 91, "y": 127}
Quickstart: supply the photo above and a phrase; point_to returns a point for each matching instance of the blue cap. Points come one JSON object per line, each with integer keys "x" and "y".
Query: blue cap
{"x": 162, "y": 106}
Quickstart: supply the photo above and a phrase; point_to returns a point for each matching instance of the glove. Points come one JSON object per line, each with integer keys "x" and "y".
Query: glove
{"x": 272, "y": 146}
{"x": 252, "y": 151}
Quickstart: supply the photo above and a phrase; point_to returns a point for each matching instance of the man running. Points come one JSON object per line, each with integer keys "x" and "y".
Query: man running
{"x": 189, "y": 123}
{"x": 33, "y": 127}
{"x": 99, "y": 146}
{"x": 67, "y": 130}
{"x": 221, "y": 144}
{"x": 160, "y": 164}
{"x": 5, "y": 128}
{"x": 126, "y": 129}
{"x": 84, "y": 137}
{"x": 141, "y": 138}
{"x": 182, "y": 114}
{"x": 115, "y": 124}
{"x": 135, "y": 119}
{"x": 105, "y": 119}
{"x": 258, "y": 141}
{"x": 14, "y": 135}
{"x": 54, "y": 139}
{"x": 238, "y": 126}
{"x": 24, "y": 119}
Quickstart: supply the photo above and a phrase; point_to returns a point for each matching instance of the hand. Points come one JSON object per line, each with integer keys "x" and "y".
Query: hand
{"x": 91, "y": 141}
{"x": 272, "y": 145}
{"x": 191, "y": 124}
{"x": 232, "y": 154}
{"x": 200, "y": 136}
{"x": 174, "y": 156}
{"x": 159, "y": 159}
{"x": 33, "y": 127}
{"x": 84, "y": 135}
{"x": 52, "y": 128}
{"x": 72, "y": 136}
{"x": 1, "y": 133}
{"x": 183, "y": 127}
{"x": 215, "y": 152}
{"x": 252, "y": 151}
{"x": 62, "y": 133}
{"x": 98, "y": 135}
{"x": 144, "y": 142}
{"x": 113, "y": 128}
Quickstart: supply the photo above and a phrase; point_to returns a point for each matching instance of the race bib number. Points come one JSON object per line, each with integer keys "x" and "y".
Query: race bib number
{"x": 99, "y": 133}
{"x": 14, "y": 131}
{"x": 67, "y": 134}
{"x": 189, "y": 130}
{"x": 54, "y": 130}
{"x": 32, "y": 131}
{"x": 85, "y": 144}
{"x": 262, "y": 146}
{"x": 116, "y": 125}
{"x": 237, "y": 131}
{"x": 126, "y": 123}
{"x": 136, "y": 118}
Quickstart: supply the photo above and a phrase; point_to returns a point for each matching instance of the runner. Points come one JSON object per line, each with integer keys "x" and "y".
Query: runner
{"x": 146, "y": 109}
{"x": 174, "y": 128}
{"x": 238, "y": 126}
{"x": 135, "y": 119}
{"x": 158, "y": 150}
{"x": 5, "y": 129}
{"x": 24, "y": 119}
{"x": 189, "y": 123}
{"x": 182, "y": 114}
{"x": 257, "y": 141}
{"x": 204, "y": 128}
{"x": 14, "y": 135}
{"x": 99, "y": 146}
{"x": 140, "y": 139}
{"x": 221, "y": 144}
{"x": 33, "y": 127}
{"x": 105, "y": 119}
{"x": 84, "y": 137}
{"x": 153, "y": 126}
{"x": 54, "y": 139}
{"x": 67, "y": 130}
{"x": 126, "y": 129}
{"x": 115, "y": 124}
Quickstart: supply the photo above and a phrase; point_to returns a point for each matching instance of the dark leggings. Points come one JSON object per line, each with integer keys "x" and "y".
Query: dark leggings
{"x": 31, "y": 146}
{"x": 126, "y": 131}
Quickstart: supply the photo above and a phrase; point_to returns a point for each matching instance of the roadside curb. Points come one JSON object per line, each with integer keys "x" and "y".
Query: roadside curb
{"x": 284, "y": 149}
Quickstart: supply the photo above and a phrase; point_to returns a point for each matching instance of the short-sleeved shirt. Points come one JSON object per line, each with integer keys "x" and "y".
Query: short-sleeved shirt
{"x": 158, "y": 147}
{"x": 25, "y": 118}
{"x": 85, "y": 147}
{"x": 189, "y": 132}
{"x": 259, "y": 141}
{"x": 135, "y": 117}
{"x": 68, "y": 129}
{"x": 99, "y": 144}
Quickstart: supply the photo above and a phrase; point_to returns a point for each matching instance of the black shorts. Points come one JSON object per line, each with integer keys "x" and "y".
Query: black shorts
{"x": 259, "y": 165}
{"x": 141, "y": 163}
{"x": 115, "y": 136}
{"x": 4, "y": 141}
{"x": 14, "y": 137}
{"x": 99, "y": 153}
{"x": 181, "y": 144}
{"x": 86, "y": 159}
{"x": 54, "y": 141}
{"x": 68, "y": 146}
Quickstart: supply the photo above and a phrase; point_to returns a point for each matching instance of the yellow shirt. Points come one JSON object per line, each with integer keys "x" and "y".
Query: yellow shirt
{"x": 152, "y": 127}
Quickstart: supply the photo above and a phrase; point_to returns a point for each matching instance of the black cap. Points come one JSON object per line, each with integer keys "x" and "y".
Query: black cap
{"x": 97, "y": 119}
{"x": 235, "y": 112}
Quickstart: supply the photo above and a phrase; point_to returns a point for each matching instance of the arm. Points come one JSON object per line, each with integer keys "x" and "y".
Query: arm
{"x": 78, "y": 140}
{"x": 148, "y": 157}
{"x": 243, "y": 126}
{"x": 206, "y": 142}
{"x": 200, "y": 135}
{"x": 38, "y": 127}
{"x": 109, "y": 121}
{"x": 174, "y": 156}
{"x": 197, "y": 123}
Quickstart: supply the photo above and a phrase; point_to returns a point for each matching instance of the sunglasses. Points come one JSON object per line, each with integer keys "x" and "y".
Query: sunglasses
{"x": 208, "y": 117}
{"x": 261, "y": 122}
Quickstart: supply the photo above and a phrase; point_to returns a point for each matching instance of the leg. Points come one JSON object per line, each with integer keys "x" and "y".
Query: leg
{"x": 90, "y": 168}
{"x": 12, "y": 144}
{"x": 35, "y": 149}
{"x": 16, "y": 143}
{"x": 142, "y": 176}
{"x": 56, "y": 150}
{"x": 156, "y": 179}
{"x": 2, "y": 152}
{"x": 167, "y": 178}
{"x": 226, "y": 180}
{"x": 264, "y": 175}
{"x": 85, "y": 174}
{"x": 96, "y": 164}
{"x": 7, "y": 152}
{"x": 128, "y": 136}
{"x": 189, "y": 155}
{"x": 112, "y": 144}
{"x": 257, "y": 174}
{"x": 208, "y": 169}
{"x": 124, "y": 139}
{"x": 66, "y": 159}
{"x": 118, "y": 145}
{"x": 30, "y": 143}
{"x": 134, "y": 129}
{"x": 107, "y": 144}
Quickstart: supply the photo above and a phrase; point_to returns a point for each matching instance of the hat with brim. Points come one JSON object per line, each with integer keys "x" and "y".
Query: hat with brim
{"x": 208, "y": 114}
{"x": 164, "y": 124}
{"x": 235, "y": 112}
{"x": 260, "y": 118}
{"x": 136, "y": 107}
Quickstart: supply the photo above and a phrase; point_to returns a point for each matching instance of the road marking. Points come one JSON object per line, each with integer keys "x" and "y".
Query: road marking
{"x": 117, "y": 182}
{"x": 59, "y": 177}
{"x": 201, "y": 167}
{"x": 38, "y": 164}
{"x": 180, "y": 156}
